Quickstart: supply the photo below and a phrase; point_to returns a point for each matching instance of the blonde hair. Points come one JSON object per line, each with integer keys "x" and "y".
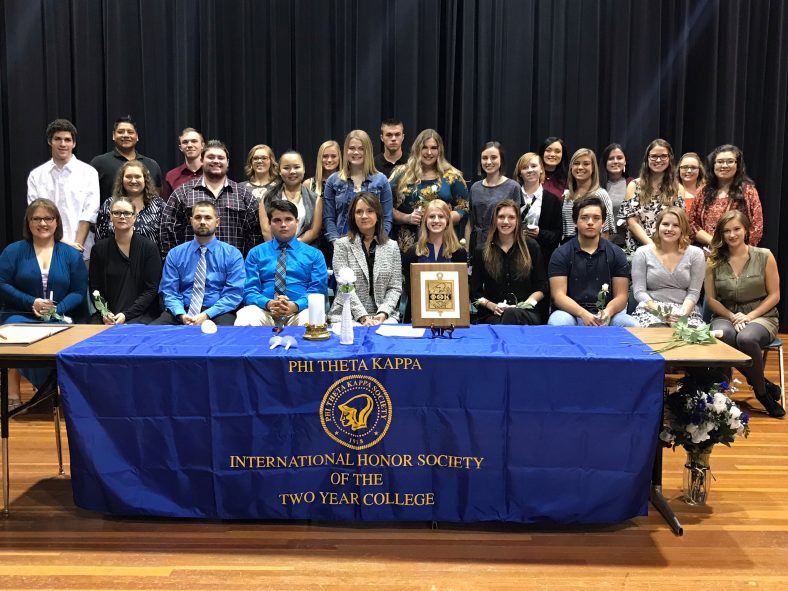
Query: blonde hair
{"x": 681, "y": 215}
{"x": 411, "y": 172}
{"x": 273, "y": 171}
{"x": 450, "y": 242}
{"x": 318, "y": 181}
{"x": 572, "y": 185}
{"x": 524, "y": 159}
{"x": 369, "y": 157}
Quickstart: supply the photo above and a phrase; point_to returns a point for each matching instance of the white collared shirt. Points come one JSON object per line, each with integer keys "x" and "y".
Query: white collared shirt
{"x": 74, "y": 188}
{"x": 535, "y": 210}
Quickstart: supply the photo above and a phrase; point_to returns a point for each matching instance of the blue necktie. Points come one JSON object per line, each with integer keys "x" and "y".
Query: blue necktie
{"x": 198, "y": 290}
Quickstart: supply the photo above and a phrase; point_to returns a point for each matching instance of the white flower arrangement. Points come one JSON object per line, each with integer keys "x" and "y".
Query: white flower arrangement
{"x": 346, "y": 278}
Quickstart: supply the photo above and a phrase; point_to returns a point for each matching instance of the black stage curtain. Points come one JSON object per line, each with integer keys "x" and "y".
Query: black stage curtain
{"x": 292, "y": 73}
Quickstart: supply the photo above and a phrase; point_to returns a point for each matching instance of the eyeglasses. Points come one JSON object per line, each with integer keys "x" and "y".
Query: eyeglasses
{"x": 123, "y": 214}
{"x": 724, "y": 163}
{"x": 260, "y": 159}
{"x": 46, "y": 220}
{"x": 688, "y": 168}
{"x": 658, "y": 157}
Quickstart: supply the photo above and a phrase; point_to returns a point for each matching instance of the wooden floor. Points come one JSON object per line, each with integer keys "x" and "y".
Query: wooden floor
{"x": 738, "y": 541}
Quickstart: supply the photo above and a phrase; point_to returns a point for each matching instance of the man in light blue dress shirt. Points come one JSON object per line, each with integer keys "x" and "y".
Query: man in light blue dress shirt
{"x": 302, "y": 272}
{"x": 222, "y": 277}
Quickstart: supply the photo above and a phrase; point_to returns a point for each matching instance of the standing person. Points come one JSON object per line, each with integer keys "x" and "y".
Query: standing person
{"x": 236, "y": 206}
{"x": 613, "y": 178}
{"x": 668, "y": 273}
{"x": 126, "y": 269}
{"x": 70, "y": 184}
{"x": 357, "y": 175}
{"x": 427, "y": 176}
{"x": 190, "y": 143}
{"x": 261, "y": 170}
{"x": 655, "y": 189}
{"x": 329, "y": 161}
{"x": 489, "y": 192}
{"x": 553, "y": 153}
{"x": 437, "y": 243}
{"x": 135, "y": 183}
{"x": 743, "y": 290}
{"x": 584, "y": 182}
{"x": 203, "y": 279}
{"x": 507, "y": 270}
{"x": 540, "y": 212}
{"x": 290, "y": 187}
{"x": 392, "y": 134}
{"x": 375, "y": 261}
{"x": 125, "y": 138}
{"x": 692, "y": 175}
{"x": 39, "y": 275}
{"x": 281, "y": 273}
{"x": 580, "y": 268}
{"x": 727, "y": 187}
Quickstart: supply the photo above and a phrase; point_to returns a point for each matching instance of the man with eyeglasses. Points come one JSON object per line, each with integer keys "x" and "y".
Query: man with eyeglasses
{"x": 70, "y": 184}
{"x": 191, "y": 144}
{"x": 581, "y": 268}
{"x": 202, "y": 279}
{"x": 235, "y": 204}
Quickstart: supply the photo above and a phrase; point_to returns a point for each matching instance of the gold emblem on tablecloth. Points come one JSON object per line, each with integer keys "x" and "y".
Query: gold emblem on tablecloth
{"x": 356, "y": 411}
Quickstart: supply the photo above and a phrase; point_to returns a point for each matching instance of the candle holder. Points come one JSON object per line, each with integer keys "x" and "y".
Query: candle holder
{"x": 316, "y": 332}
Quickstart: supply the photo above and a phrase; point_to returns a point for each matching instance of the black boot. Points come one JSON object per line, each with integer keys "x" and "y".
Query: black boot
{"x": 772, "y": 407}
{"x": 773, "y": 390}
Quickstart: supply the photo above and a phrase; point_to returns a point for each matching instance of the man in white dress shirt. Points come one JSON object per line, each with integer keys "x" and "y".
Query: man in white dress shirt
{"x": 70, "y": 183}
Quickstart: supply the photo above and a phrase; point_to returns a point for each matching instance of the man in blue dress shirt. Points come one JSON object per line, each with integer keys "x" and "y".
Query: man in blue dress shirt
{"x": 203, "y": 278}
{"x": 281, "y": 273}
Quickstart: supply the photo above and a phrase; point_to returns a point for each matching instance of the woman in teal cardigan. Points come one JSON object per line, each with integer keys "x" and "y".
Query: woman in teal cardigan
{"x": 40, "y": 275}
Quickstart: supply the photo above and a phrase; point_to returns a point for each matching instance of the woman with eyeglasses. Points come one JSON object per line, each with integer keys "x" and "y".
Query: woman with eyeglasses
{"x": 135, "y": 182}
{"x": 507, "y": 271}
{"x": 125, "y": 269}
{"x": 655, "y": 189}
{"x": 40, "y": 276}
{"x": 743, "y": 290}
{"x": 357, "y": 175}
{"x": 692, "y": 175}
{"x": 584, "y": 181}
{"x": 261, "y": 170}
{"x": 727, "y": 187}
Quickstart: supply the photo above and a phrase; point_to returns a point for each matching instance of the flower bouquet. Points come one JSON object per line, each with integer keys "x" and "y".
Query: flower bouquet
{"x": 346, "y": 280}
{"x": 698, "y": 418}
{"x": 684, "y": 334}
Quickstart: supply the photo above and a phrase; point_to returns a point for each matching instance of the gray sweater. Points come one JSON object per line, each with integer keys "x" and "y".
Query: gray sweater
{"x": 652, "y": 281}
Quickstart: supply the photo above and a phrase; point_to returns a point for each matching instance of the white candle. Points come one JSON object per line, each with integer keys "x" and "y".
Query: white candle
{"x": 317, "y": 308}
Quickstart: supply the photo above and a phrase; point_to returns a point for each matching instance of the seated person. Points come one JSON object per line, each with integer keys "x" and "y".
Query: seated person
{"x": 437, "y": 243}
{"x": 507, "y": 269}
{"x": 125, "y": 268}
{"x": 668, "y": 274}
{"x": 376, "y": 262}
{"x": 203, "y": 278}
{"x": 580, "y": 267}
{"x": 281, "y": 273}
{"x": 40, "y": 275}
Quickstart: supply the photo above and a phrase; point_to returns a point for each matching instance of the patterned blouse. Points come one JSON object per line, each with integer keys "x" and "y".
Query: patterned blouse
{"x": 147, "y": 223}
{"x": 450, "y": 187}
{"x": 705, "y": 217}
{"x": 645, "y": 214}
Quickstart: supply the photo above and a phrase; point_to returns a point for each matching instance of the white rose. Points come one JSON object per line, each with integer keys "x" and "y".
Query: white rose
{"x": 667, "y": 437}
{"x": 346, "y": 276}
{"x": 605, "y": 287}
{"x": 720, "y": 402}
{"x": 208, "y": 327}
{"x": 96, "y": 294}
{"x": 735, "y": 412}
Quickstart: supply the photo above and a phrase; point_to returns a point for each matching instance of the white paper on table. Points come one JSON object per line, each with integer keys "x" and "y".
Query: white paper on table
{"x": 400, "y": 330}
{"x": 25, "y": 335}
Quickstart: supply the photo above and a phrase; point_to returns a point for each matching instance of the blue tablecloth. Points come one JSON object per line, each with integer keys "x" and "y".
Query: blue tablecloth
{"x": 518, "y": 424}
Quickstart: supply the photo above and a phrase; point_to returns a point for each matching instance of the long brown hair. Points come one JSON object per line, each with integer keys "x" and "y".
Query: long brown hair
{"x": 118, "y": 190}
{"x": 492, "y": 256}
{"x": 450, "y": 242}
{"x": 668, "y": 187}
{"x": 373, "y": 201}
{"x": 719, "y": 252}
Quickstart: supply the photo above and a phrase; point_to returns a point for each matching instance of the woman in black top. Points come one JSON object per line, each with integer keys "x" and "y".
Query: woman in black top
{"x": 125, "y": 269}
{"x": 508, "y": 270}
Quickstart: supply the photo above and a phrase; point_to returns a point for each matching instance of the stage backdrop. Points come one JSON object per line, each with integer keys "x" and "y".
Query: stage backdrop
{"x": 294, "y": 73}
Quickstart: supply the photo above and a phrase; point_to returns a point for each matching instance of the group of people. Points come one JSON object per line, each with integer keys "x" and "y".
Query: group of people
{"x": 556, "y": 243}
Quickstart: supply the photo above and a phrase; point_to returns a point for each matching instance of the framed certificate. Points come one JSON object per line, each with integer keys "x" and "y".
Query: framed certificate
{"x": 439, "y": 295}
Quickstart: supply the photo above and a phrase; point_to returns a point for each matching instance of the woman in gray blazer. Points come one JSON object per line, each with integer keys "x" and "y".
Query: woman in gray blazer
{"x": 376, "y": 262}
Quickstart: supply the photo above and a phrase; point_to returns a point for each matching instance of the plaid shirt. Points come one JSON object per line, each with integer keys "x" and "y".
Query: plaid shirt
{"x": 238, "y": 212}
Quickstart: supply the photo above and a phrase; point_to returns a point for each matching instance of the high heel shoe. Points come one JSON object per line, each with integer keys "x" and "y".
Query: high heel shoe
{"x": 771, "y": 406}
{"x": 14, "y": 403}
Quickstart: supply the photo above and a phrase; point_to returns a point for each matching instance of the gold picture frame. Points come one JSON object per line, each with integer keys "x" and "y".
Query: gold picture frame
{"x": 439, "y": 295}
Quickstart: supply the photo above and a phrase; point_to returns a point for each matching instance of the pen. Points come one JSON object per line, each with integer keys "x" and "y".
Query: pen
{"x": 2, "y": 336}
